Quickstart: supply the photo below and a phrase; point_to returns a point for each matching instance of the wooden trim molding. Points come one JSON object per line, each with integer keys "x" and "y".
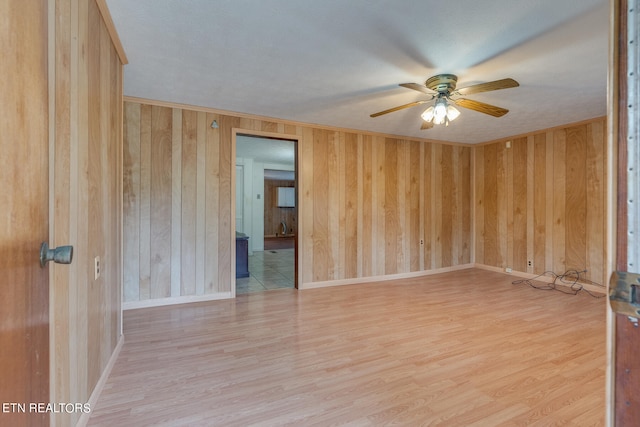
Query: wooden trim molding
{"x": 95, "y": 395}
{"x": 159, "y": 302}
{"x": 282, "y": 121}
{"x": 111, "y": 28}
{"x": 385, "y": 278}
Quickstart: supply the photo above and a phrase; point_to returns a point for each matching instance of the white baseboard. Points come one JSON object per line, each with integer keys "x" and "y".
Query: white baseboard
{"x": 358, "y": 280}
{"x": 159, "y": 302}
{"x": 97, "y": 390}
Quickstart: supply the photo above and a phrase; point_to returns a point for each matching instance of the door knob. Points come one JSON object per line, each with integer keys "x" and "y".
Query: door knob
{"x": 59, "y": 255}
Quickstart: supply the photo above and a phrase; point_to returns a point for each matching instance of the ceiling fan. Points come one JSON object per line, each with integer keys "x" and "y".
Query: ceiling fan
{"x": 442, "y": 88}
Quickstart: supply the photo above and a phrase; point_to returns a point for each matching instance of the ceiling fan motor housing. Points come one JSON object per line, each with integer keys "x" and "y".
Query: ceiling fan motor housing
{"x": 442, "y": 83}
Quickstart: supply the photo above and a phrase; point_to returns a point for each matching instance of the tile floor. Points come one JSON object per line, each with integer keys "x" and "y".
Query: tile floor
{"x": 270, "y": 269}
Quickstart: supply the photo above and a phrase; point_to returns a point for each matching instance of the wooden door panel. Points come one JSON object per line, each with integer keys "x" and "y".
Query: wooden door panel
{"x": 627, "y": 410}
{"x": 626, "y": 369}
{"x": 24, "y": 286}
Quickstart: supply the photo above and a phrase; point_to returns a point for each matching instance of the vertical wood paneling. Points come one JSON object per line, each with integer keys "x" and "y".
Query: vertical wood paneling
{"x": 340, "y": 244}
{"x": 306, "y": 204}
{"x": 176, "y": 203}
{"x": 502, "y": 205}
{"x": 530, "y": 225}
{"x": 557, "y": 216}
{"x": 479, "y": 204}
{"x": 367, "y": 201}
{"x": 95, "y": 204}
{"x": 464, "y": 237}
{"x": 367, "y": 206}
{"x": 505, "y": 204}
{"x": 212, "y": 206}
{"x": 201, "y": 203}
{"x": 559, "y": 201}
{"x": 403, "y": 234}
{"x": 550, "y": 249}
{"x": 456, "y": 207}
{"x": 80, "y": 203}
{"x": 509, "y": 179}
{"x": 145, "y": 202}
{"x": 379, "y": 151}
{"x": 595, "y": 202}
{"x": 352, "y": 173}
{"x": 391, "y": 221}
{"x": 428, "y": 205}
{"x": 360, "y": 205}
{"x": 540, "y": 202}
{"x": 333, "y": 207}
{"x": 227, "y": 199}
{"x": 86, "y": 92}
{"x": 576, "y": 198}
{"x": 320, "y": 203}
{"x": 131, "y": 204}
{"x": 519, "y": 152}
{"x": 491, "y": 211}
{"x": 188, "y": 196}
{"x": 436, "y": 206}
{"x": 160, "y": 219}
{"x": 447, "y": 207}
{"x": 413, "y": 194}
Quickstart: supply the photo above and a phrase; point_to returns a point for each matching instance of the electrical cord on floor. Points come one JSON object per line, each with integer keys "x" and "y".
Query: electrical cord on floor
{"x": 569, "y": 278}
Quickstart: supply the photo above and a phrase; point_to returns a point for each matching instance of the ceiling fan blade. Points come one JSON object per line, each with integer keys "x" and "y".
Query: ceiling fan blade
{"x": 400, "y": 107}
{"x": 426, "y": 125}
{"x": 487, "y": 87}
{"x": 419, "y": 88}
{"x": 481, "y": 107}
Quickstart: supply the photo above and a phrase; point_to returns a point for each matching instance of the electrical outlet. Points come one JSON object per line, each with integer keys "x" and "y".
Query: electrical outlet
{"x": 96, "y": 265}
{"x": 530, "y": 263}
{"x": 508, "y": 270}
{"x": 421, "y": 242}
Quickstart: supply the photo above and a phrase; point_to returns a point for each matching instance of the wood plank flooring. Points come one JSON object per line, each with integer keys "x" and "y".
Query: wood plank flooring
{"x": 457, "y": 349}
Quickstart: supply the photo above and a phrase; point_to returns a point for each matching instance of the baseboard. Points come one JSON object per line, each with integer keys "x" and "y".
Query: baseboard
{"x": 359, "y": 280}
{"x": 546, "y": 279}
{"x": 97, "y": 390}
{"x": 159, "y": 302}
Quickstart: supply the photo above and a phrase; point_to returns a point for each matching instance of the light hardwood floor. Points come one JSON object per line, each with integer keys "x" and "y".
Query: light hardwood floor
{"x": 457, "y": 349}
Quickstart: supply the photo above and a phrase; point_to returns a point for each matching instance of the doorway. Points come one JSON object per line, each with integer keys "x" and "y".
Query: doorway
{"x": 266, "y": 213}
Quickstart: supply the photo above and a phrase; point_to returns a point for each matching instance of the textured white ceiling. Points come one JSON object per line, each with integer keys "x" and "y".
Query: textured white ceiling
{"x": 334, "y": 62}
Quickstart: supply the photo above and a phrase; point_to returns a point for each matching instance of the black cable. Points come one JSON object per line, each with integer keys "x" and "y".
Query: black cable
{"x": 569, "y": 278}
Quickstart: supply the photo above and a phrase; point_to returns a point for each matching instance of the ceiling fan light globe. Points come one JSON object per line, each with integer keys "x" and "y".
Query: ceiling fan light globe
{"x": 440, "y": 111}
{"x": 427, "y": 115}
{"x": 452, "y": 112}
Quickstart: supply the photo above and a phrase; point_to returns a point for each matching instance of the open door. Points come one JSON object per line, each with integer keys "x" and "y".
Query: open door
{"x": 24, "y": 225}
{"x": 267, "y": 162}
{"x": 624, "y": 292}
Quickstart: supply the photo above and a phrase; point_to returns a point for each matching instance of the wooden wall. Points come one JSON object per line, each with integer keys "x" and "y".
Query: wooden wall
{"x": 177, "y": 211}
{"x": 366, "y": 202}
{"x": 273, "y": 215}
{"x": 375, "y": 206}
{"x": 86, "y": 142}
{"x": 542, "y": 201}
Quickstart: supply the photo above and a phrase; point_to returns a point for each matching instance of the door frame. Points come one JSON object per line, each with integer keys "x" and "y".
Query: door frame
{"x": 623, "y": 116}
{"x": 298, "y": 260}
